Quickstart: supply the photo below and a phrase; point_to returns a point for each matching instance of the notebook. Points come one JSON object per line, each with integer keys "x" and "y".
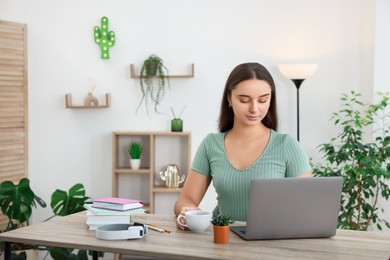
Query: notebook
{"x": 292, "y": 208}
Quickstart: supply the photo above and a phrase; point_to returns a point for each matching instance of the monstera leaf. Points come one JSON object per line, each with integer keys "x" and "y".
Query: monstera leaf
{"x": 64, "y": 203}
{"x": 17, "y": 201}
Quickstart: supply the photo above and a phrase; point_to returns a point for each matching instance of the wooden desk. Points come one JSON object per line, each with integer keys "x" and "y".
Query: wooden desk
{"x": 71, "y": 231}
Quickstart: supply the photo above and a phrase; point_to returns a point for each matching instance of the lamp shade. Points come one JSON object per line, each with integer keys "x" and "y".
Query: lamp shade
{"x": 297, "y": 71}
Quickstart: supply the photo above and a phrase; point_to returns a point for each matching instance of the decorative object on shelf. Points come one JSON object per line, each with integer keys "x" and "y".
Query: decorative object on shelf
{"x": 69, "y": 104}
{"x": 153, "y": 67}
{"x": 221, "y": 228}
{"x": 171, "y": 176}
{"x": 90, "y": 100}
{"x": 105, "y": 39}
{"x": 177, "y": 122}
{"x": 364, "y": 165}
{"x": 135, "y": 151}
{"x": 297, "y": 73}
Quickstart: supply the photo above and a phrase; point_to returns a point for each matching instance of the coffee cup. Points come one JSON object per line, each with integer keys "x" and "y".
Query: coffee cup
{"x": 196, "y": 220}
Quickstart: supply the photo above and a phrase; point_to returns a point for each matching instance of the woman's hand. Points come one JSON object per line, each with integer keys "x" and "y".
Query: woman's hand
{"x": 183, "y": 221}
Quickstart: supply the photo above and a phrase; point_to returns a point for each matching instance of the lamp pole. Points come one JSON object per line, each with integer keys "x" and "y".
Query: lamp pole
{"x": 297, "y": 83}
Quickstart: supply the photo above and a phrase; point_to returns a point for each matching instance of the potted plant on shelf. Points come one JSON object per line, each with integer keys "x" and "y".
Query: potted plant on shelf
{"x": 363, "y": 164}
{"x": 221, "y": 228}
{"x": 135, "y": 150}
{"x": 152, "y": 70}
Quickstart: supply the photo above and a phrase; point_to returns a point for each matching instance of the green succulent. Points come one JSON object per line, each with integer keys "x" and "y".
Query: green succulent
{"x": 221, "y": 220}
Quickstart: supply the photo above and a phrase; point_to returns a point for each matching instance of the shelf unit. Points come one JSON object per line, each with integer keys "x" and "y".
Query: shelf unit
{"x": 160, "y": 149}
{"x": 69, "y": 104}
{"x": 133, "y": 75}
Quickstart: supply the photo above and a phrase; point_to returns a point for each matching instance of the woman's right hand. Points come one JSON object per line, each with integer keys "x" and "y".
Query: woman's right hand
{"x": 182, "y": 220}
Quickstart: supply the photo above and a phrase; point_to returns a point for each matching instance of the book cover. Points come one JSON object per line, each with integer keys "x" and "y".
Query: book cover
{"x": 117, "y": 203}
{"x": 99, "y": 211}
{"x": 107, "y": 219}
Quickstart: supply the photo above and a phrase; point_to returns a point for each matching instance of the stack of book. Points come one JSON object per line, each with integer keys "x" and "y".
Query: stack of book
{"x": 111, "y": 211}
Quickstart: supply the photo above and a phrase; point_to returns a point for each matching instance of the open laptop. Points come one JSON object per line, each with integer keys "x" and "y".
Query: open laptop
{"x": 292, "y": 208}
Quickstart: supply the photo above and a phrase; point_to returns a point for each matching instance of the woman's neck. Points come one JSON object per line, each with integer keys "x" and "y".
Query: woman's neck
{"x": 249, "y": 132}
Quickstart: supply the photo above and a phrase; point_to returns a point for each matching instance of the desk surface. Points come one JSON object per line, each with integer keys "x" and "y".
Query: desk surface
{"x": 71, "y": 231}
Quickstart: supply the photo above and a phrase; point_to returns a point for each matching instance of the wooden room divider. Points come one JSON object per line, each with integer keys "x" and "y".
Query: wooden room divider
{"x": 13, "y": 103}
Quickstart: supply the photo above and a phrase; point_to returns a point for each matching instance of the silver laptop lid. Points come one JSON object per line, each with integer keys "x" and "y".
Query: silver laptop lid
{"x": 293, "y": 207}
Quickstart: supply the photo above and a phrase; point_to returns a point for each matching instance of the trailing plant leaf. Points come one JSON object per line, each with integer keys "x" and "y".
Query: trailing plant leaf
{"x": 364, "y": 165}
{"x": 151, "y": 92}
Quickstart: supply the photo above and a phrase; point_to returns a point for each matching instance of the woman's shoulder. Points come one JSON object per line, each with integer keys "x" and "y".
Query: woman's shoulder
{"x": 214, "y": 137}
{"x": 282, "y": 138}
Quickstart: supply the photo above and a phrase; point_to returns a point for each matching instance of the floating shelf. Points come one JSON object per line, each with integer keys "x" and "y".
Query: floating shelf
{"x": 134, "y": 76}
{"x": 68, "y": 102}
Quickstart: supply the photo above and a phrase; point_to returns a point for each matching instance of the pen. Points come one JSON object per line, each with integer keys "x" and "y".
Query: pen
{"x": 159, "y": 227}
{"x": 156, "y": 228}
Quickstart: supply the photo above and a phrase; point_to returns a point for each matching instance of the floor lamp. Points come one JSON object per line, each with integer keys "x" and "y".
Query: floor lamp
{"x": 297, "y": 73}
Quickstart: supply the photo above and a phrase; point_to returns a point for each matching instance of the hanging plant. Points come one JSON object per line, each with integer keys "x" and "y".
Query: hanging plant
{"x": 154, "y": 82}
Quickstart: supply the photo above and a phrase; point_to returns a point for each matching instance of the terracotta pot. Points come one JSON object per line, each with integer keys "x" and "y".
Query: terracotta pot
{"x": 221, "y": 234}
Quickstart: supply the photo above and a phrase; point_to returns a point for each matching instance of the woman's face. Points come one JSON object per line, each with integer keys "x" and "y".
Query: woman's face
{"x": 250, "y": 101}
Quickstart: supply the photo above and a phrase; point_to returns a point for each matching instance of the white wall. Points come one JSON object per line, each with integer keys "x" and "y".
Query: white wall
{"x": 382, "y": 61}
{"x": 68, "y": 146}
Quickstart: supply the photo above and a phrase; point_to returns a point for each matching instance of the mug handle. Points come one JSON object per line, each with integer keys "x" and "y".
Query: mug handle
{"x": 178, "y": 220}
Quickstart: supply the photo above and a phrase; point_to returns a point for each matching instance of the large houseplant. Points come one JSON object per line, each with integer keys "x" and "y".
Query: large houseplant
{"x": 153, "y": 70}
{"x": 65, "y": 203}
{"x": 363, "y": 163}
{"x": 17, "y": 202}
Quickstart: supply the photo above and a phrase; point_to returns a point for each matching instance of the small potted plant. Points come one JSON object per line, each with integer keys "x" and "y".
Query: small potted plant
{"x": 135, "y": 151}
{"x": 221, "y": 228}
{"x": 177, "y": 122}
{"x": 153, "y": 68}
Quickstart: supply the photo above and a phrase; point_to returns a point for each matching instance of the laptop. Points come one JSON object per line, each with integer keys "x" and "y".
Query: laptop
{"x": 292, "y": 208}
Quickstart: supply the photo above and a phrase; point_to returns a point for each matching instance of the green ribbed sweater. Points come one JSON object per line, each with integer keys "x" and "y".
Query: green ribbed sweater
{"x": 282, "y": 157}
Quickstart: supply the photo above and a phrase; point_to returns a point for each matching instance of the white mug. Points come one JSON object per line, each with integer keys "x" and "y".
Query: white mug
{"x": 196, "y": 220}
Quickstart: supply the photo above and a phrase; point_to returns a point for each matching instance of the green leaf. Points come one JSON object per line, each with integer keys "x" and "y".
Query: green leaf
{"x": 64, "y": 204}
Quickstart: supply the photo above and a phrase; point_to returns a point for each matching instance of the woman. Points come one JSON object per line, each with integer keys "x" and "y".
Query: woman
{"x": 246, "y": 148}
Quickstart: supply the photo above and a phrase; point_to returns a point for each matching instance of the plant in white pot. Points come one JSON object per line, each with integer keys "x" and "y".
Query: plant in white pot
{"x": 135, "y": 150}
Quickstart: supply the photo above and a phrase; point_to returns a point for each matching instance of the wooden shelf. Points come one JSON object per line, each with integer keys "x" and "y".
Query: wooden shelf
{"x": 132, "y": 171}
{"x": 163, "y": 189}
{"x": 69, "y": 104}
{"x": 160, "y": 150}
{"x": 191, "y": 75}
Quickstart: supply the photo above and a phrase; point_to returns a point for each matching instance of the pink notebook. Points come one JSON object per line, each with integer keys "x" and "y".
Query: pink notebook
{"x": 117, "y": 203}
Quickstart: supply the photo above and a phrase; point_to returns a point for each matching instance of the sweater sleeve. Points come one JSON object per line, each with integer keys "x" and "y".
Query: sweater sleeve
{"x": 297, "y": 161}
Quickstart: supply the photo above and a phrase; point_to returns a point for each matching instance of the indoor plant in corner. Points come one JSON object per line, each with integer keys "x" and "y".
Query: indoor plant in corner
{"x": 221, "y": 228}
{"x": 364, "y": 163}
{"x": 153, "y": 70}
{"x": 135, "y": 150}
{"x": 17, "y": 202}
{"x": 65, "y": 203}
